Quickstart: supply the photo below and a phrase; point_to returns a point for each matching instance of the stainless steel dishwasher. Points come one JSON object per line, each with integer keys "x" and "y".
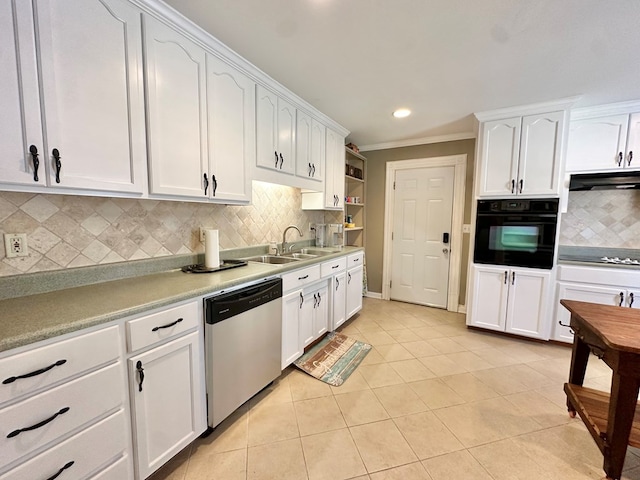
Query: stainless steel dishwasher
{"x": 243, "y": 338}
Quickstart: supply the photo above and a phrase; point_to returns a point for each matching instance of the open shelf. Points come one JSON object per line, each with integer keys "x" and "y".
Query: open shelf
{"x": 354, "y": 179}
{"x": 355, "y": 188}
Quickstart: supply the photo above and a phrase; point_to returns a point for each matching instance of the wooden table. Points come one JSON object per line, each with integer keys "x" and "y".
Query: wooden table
{"x": 613, "y": 335}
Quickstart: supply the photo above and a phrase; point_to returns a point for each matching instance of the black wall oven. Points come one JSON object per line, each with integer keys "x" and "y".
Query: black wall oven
{"x": 519, "y": 233}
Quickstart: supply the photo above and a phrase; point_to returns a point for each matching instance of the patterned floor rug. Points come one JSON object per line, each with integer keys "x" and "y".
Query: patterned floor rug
{"x": 334, "y": 358}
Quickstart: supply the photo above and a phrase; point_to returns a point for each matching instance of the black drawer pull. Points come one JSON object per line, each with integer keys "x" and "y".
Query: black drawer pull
{"x": 36, "y": 163}
{"x": 33, "y": 374}
{"x": 155, "y": 329}
{"x": 57, "y": 162}
{"x": 17, "y": 432}
{"x": 335, "y": 266}
{"x": 68, "y": 465}
{"x": 302, "y": 278}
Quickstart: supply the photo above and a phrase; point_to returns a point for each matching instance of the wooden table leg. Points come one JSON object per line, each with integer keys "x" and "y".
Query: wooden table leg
{"x": 622, "y": 408}
{"x": 579, "y": 359}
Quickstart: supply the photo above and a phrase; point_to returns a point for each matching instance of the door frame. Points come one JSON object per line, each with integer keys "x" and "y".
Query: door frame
{"x": 459, "y": 162}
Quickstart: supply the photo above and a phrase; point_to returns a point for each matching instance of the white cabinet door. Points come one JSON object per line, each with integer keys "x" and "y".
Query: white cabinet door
{"x": 597, "y": 144}
{"x": 527, "y": 303}
{"x": 275, "y": 132}
{"x": 338, "y": 300}
{"x": 92, "y": 94}
{"x": 318, "y": 149}
{"x": 354, "y": 291}
{"x": 334, "y": 171}
{"x": 168, "y": 400}
{"x": 176, "y": 117}
{"x": 291, "y": 346}
{"x": 499, "y": 157}
{"x": 308, "y": 300}
{"x": 231, "y": 124}
{"x": 489, "y": 304}
{"x": 540, "y": 154}
{"x": 303, "y": 145}
{"x": 286, "y": 136}
{"x": 632, "y": 159}
{"x": 321, "y": 312}
{"x": 20, "y": 126}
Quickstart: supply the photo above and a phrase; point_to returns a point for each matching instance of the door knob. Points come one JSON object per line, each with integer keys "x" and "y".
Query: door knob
{"x": 445, "y": 250}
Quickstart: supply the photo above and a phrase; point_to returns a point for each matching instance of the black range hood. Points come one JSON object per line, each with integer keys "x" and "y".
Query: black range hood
{"x": 605, "y": 181}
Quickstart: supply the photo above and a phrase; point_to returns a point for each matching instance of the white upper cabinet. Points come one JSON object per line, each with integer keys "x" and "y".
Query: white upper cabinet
{"x": 334, "y": 175}
{"x": 276, "y": 127}
{"x": 176, "y": 116}
{"x": 90, "y": 74}
{"x": 521, "y": 155}
{"x": 604, "y": 143}
{"x": 310, "y": 146}
{"x": 231, "y": 123}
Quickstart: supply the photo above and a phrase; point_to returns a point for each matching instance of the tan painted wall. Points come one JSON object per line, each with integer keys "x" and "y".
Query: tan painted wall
{"x": 376, "y": 170}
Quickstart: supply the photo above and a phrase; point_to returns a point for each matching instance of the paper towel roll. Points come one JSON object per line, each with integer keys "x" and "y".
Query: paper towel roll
{"x": 211, "y": 249}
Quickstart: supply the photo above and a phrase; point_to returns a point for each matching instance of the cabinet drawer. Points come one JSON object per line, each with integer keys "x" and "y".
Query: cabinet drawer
{"x": 332, "y": 267}
{"x": 355, "y": 259}
{"x": 300, "y": 278}
{"x": 86, "y": 398}
{"x": 89, "y": 450}
{"x": 57, "y": 361}
{"x": 629, "y": 278}
{"x": 159, "y": 326}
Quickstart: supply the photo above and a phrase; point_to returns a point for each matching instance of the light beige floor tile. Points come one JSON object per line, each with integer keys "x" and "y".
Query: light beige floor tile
{"x": 595, "y": 369}
{"x": 471, "y": 340}
{"x": 370, "y": 328}
{"x": 420, "y": 348}
{"x": 427, "y": 435}
{"x": 174, "y": 469}
{"x": 412, "y": 471}
{"x": 518, "y": 350}
{"x": 496, "y": 357}
{"x": 394, "y": 352}
{"x": 451, "y": 330}
{"x": 380, "y": 375}
{"x": 361, "y": 407}
{"x": 536, "y": 406}
{"x": 435, "y": 393}
{"x": 378, "y": 338}
{"x": 272, "y": 423}
{"x": 446, "y": 345}
{"x": 500, "y": 380}
{"x": 469, "y": 387}
{"x": 469, "y": 361}
{"x": 318, "y": 415}
{"x": 354, "y": 383}
{"x": 389, "y": 324}
{"x": 277, "y": 461}
{"x": 403, "y": 335}
{"x": 372, "y": 358}
{"x": 304, "y": 386}
{"x": 228, "y": 465}
{"x": 459, "y": 465}
{"x": 412, "y": 321}
{"x": 485, "y": 421}
{"x": 555, "y": 394}
{"x": 231, "y": 434}
{"x": 278, "y": 392}
{"x": 442, "y": 365}
{"x": 504, "y": 460}
{"x": 555, "y": 369}
{"x": 412, "y": 370}
{"x": 382, "y": 446}
{"x": 426, "y": 333}
{"x": 528, "y": 376}
{"x": 399, "y": 400}
{"x": 332, "y": 456}
{"x": 348, "y": 329}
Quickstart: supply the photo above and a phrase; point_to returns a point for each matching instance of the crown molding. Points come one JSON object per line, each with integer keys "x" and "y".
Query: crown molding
{"x": 620, "y": 108}
{"x": 531, "y": 109}
{"x": 418, "y": 141}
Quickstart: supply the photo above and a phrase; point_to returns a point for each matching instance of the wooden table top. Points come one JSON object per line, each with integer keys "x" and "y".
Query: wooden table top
{"x": 619, "y": 327}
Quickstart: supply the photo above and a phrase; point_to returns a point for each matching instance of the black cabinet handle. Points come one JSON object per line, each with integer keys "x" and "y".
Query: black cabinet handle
{"x": 206, "y": 184}
{"x": 281, "y": 161}
{"x": 276, "y": 165}
{"x": 301, "y": 299}
{"x": 631, "y": 299}
{"x": 621, "y": 299}
{"x": 302, "y": 278}
{"x": 168, "y": 325}
{"x": 315, "y": 300}
{"x": 620, "y": 159}
{"x": 215, "y": 184}
{"x": 335, "y": 266}
{"x": 319, "y": 298}
{"x": 17, "y": 432}
{"x": 349, "y": 280}
{"x": 36, "y": 163}
{"x": 337, "y": 283}
{"x": 513, "y": 278}
{"x": 521, "y": 184}
{"x": 58, "y": 163}
{"x": 313, "y": 166}
{"x": 34, "y": 373}
{"x": 140, "y": 375}
{"x": 309, "y": 169}
{"x": 513, "y": 185}
{"x": 506, "y": 275}
{"x": 629, "y": 158}
{"x": 68, "y": 465}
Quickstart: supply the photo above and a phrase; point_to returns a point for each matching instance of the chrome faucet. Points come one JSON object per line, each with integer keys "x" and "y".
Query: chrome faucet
{"x": 284, "y": 238}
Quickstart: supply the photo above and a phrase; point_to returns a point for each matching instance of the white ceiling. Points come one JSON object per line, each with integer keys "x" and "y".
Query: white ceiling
{"x": 358, "y": 60}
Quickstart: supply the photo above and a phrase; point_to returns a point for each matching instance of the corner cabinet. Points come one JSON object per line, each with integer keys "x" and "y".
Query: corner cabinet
{"x": 521, "y": 155}
{"x": 512, "y": 300}
{"x": 201, "y": 117}
{"x": 354, "y": 190}
{"x": 88, "y": 79}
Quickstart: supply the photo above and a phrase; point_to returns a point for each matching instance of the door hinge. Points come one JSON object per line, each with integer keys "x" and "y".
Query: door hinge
{"x": 391, "y": 235}
{"x": 394, "y": 185}
{"x": 390, "y": 283}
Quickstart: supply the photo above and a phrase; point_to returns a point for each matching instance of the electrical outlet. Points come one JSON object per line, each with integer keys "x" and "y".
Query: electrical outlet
{"x": 202, "y": 229}
{"x": 15, "y": 245}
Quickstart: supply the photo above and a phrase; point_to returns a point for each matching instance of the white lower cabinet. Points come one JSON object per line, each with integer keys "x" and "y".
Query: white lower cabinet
{"x": 512, "y": 300}
{"x": 355, "y": 271}
{"x": 339, "y": 299}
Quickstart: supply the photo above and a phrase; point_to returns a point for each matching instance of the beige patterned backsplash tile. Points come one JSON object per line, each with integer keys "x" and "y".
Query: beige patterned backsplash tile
{"x": 65, "y": 231}
{"x": 604, "y": 218}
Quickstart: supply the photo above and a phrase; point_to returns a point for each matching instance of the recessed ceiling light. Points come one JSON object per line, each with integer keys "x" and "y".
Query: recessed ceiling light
{"x": 402, "y": 112}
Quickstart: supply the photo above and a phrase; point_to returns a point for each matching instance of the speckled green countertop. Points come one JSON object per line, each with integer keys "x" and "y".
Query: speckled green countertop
{"x": 28, "y": 319}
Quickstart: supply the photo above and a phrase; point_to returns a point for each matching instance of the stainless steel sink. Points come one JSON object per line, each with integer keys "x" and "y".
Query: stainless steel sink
{"x": 274, "y": 259}
{"x": 300, "y": 255}
{"x": 317, "y": 251}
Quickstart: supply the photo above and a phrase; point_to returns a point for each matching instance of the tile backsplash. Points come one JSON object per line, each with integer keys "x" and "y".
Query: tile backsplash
{"x": 65, "y": 231}
{"x": 603, "y": 218}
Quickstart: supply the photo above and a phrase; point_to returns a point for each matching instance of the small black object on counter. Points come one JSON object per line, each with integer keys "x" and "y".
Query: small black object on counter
{"x": 224, "y": 265}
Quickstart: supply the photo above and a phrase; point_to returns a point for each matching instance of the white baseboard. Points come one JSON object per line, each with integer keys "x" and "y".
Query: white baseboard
{"x": 374, "y": 295}
{"x": 462, "y": 309}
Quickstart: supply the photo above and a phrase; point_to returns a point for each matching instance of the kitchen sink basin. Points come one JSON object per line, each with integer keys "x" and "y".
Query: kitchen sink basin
{"x": 274, "y": 259}
{"x": 300, "y": 255}
{"x": 317, "y": 251}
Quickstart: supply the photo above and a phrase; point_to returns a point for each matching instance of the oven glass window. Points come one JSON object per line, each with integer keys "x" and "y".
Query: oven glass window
{"x": 515, "y": 238}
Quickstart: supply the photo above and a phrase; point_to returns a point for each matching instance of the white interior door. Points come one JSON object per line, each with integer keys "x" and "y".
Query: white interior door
{"x": 423, "y": 207}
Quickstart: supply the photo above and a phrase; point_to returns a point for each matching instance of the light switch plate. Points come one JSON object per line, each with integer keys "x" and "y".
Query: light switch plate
{"x": 466, "y": 228}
